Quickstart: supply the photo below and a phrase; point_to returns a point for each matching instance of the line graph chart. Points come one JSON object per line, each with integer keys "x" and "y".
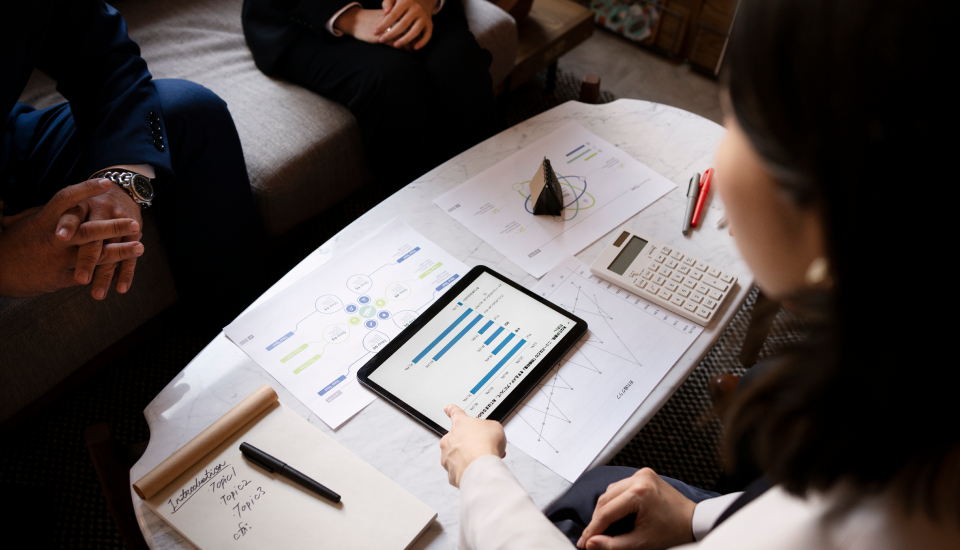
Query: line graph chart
{"x": 577, "y": 408}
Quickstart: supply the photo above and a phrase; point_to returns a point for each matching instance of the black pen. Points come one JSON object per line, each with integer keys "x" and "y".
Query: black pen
{"x": 272, "y": 465}
{"x": 693, "y": 192}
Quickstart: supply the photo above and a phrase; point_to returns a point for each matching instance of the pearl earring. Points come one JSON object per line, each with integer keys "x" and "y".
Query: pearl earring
{"x": 817, "y": 272}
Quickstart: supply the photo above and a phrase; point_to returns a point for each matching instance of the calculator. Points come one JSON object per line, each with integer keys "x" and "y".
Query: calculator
{"x": 665, "y": 276}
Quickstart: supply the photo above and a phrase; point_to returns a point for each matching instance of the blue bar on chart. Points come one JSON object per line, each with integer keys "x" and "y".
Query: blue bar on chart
{"x": 493, "y": 336}
{"x": 457, "y": 338}
{"x": 442, "y": 336}
{"x": 497, "y": 349}
{"x": 502, "y": 362}
{"x": 485, "y": 327}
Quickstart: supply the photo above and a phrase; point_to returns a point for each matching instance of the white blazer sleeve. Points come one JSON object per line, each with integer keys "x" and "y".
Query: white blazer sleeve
{"x": 497, "y": 514}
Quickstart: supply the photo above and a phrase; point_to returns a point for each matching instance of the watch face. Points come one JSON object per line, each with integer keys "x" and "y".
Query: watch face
{"x": 142, "y": 187}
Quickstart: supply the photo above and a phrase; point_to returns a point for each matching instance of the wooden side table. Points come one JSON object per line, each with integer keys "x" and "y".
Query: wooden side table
{"x": 553, "y": 28}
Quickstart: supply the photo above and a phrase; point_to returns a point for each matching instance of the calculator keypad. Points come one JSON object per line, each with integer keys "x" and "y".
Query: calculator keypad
{"x": 687, "y": 283}
{"x": 678, "y": 282}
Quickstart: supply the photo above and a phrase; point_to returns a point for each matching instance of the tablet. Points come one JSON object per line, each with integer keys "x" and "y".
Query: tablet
{"x": 483, "y": 346}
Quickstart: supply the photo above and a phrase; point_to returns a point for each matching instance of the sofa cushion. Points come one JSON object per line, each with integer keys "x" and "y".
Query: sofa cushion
{"x": 303, "y": 152}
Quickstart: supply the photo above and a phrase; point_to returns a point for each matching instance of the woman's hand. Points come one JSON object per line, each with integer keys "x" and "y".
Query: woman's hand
{"x": 406, "y": 20}
{"x": 664, "y": 516}
{"x": 468, "y": 439}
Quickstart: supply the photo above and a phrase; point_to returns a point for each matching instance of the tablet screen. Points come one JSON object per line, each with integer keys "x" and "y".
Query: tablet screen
{"x": 474, "y": 352}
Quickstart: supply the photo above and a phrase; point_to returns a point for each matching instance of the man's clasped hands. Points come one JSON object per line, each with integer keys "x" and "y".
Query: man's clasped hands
{"x": 398, "y": 24}
{"x": 86, "y": 233}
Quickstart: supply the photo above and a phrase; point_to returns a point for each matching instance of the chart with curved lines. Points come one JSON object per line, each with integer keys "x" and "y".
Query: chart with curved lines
{"x": 602, "y": 188}
{"x": 576, "y": 198}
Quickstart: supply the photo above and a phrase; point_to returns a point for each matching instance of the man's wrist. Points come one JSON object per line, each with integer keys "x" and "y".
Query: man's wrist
{"x": 346, "y": 21}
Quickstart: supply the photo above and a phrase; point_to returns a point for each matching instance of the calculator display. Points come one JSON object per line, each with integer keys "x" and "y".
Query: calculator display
{"x": 627, "y": 255}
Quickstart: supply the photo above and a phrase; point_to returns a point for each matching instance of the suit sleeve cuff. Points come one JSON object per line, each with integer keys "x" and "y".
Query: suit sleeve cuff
{"x": 708, "y": 511}
{"x": 332, "y": 20}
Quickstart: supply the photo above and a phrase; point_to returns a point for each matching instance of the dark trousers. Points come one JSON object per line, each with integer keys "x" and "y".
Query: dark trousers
{"x": 415, "y": 110}
{"x": 573, "y": 512}
{"x": 206, "y": 211}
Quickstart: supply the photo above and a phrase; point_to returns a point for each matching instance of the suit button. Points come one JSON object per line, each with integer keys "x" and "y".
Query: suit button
{"x": 159, "y": 146}
{"x": 155, "y": 126}
{"x": 157, "y": 135}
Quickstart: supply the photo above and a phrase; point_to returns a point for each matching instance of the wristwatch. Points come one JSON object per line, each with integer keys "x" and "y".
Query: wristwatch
{"x": 136, "y": 185}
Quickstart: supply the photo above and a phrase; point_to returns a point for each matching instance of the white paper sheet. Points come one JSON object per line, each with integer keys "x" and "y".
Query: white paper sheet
{"x": 629, "y": 347}
{"x": 602, "y": 188}
{"x": 224, "y": 501}
{"x": 316, "y": 334}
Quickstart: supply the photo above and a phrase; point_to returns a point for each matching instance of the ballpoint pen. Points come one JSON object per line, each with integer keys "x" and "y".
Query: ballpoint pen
{"x": 693, "y": 191}
{"x": 272, "y": 464}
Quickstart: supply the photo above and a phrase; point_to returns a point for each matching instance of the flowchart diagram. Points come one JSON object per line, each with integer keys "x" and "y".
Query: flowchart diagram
{"x": 314, "y": 336}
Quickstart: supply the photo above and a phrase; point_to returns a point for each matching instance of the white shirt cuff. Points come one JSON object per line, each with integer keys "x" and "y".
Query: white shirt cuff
{"x": 330, "y": 27}
{"x": 142, "y": 169}
{"x": 707, "y": 512}
{"x": 332, "y": 30}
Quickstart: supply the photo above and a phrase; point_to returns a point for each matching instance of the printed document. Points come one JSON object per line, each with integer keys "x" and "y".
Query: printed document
{"x": 315, "y": 335}
{"x": 602, "y": 188}
{"x": 581, "y": 404}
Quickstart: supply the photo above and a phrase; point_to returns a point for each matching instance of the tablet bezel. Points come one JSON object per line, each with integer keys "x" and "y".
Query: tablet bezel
{"x": 512, "y": 399}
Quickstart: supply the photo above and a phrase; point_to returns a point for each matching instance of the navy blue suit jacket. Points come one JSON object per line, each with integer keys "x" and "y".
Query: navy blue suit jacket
{"x": 84, "y": 46}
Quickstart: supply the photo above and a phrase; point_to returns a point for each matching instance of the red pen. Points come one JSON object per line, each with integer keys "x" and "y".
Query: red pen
{"x": 704, "y": 191}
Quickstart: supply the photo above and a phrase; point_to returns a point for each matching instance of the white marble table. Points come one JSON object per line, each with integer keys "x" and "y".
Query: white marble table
{"x": 673, "y": 142}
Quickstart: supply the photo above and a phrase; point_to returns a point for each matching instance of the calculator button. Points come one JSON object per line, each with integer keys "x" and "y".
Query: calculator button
{"x": 665, "y": 294}
{"x": 665, "y": 271}
{"x": 696, "y": 274}
{"x": 716, "y": 294}
{"x": 676, "y": 255}
{"x": 677, "y": 277}
{"x": 689, "y": 283}
{"x": 696, "y": 298}
{"x": 677, "y": 301}
{"x": 660, "y": 258}
{"x": 684, "y": 292}
{"x": 672, "y": 286}
{"x": 703, "y": 289}
{"x": 714, "y": 272}
{"x": 690, "y": 306}
{"x": 647, "y": 274}
{"x": 726, "y": 277}
{"x": 660, "y": 279}
{"x": 672, "y": 264}
{"x": 716, "y": 283}
{"x": 684, "y": 269}
{"x": 709, "y": 303}
{"x": 666, "y": 250}
{"x": 653, "y": 266}
{"x": 652, "y": 289}
{"x": 640, "y": 284}
{"x": 702, "y": 266}
{"x": 704, "y": 312}
{"x": 689, "y": 261}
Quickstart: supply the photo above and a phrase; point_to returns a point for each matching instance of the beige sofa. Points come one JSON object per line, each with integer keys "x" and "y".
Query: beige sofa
{"x": 302, "y": 151}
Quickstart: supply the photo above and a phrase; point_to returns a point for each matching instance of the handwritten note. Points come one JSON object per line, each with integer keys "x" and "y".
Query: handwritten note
{"x": 226, "y": 502}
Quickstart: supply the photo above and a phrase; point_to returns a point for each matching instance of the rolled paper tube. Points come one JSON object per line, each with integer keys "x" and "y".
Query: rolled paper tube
{"x": 208, "y": 440}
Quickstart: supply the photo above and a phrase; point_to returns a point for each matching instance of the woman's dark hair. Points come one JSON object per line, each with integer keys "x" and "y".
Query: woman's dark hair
{"x": 848, "y": 105}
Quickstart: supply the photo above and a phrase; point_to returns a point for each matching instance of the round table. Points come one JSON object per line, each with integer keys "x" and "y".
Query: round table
{"x": 673, "y": 142}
